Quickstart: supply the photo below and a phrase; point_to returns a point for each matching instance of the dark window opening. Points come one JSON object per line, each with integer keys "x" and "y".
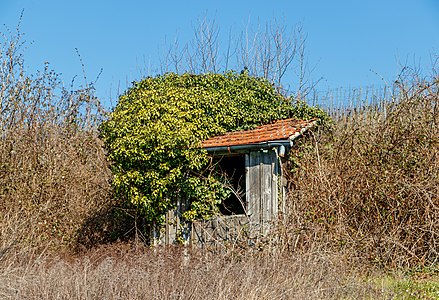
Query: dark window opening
{"x": 234, "y": 168}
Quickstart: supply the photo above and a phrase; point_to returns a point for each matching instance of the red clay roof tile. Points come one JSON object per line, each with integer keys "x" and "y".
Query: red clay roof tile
{"x": 279, "y": 130}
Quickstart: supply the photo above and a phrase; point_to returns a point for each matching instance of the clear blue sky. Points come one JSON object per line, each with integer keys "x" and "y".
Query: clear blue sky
{"x": 346, "y": 39}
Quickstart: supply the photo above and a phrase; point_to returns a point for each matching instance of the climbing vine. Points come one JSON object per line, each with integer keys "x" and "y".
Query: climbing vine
{"x": 153, "y": 136}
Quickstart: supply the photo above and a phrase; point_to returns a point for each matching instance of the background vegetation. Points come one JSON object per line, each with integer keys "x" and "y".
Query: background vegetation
{"x": 361, "y": 222}
{"x": 374, "y": 184}
{"x": 53, "y": 172}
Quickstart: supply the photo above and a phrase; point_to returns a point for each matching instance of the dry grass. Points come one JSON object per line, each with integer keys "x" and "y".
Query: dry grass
{"x": 178, "y": 273}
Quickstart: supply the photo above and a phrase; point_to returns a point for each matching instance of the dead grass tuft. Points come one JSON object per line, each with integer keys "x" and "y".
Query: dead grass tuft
{"x": 180, "y": 273}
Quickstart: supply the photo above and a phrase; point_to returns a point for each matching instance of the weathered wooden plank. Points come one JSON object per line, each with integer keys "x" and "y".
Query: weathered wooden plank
{"x": 283, "y": 183}
{"x": 221, "y": 229}
{"x": 274, "y": 186}
{"x": 266, "y": 178}
{"x": 247, "y": 184}
{"x": 254, "y": 195}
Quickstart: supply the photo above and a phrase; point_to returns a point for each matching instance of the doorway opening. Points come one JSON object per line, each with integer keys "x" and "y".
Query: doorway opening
{"x": 233, "y": 166}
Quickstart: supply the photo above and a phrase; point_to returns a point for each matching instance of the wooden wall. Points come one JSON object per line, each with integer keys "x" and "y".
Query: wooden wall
{"x": 263, "y": 175}
{"x": 265, "y": 191}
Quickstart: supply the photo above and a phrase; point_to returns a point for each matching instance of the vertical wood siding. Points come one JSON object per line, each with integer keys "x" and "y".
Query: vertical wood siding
{"x": 264, "y": 193}
{"x": 262, "y": 189}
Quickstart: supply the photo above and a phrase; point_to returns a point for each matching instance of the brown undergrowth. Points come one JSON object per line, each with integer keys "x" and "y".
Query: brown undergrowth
{"x": 126, "y": 272}
{"x": 54, "y": 176}
{"x": 371, "y": 184}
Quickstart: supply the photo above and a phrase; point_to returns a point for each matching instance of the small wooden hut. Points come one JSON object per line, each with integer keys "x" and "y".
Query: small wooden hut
{"x": 254, "y": 161}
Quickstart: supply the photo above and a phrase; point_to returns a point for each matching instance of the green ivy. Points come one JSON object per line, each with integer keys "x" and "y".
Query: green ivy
{"x": 154, "y": 136}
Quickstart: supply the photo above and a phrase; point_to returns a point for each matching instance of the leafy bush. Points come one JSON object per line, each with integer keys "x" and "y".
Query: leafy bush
{"x": 154, "y": 136}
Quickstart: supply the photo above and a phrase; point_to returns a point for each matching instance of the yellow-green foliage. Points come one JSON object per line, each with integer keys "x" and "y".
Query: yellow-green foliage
{"x": 154, "y": 136}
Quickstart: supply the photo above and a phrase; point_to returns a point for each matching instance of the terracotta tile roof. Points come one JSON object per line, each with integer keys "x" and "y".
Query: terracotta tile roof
{"x": 279, "y": 130}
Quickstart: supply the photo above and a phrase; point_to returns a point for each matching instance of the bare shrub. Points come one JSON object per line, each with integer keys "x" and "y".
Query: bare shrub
{"x": 372, "y": 184}
{"x": 272, "y": 51}
{"x": 53, "y": 170}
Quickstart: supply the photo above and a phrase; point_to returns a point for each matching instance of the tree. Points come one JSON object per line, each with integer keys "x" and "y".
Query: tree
{"x": 272, "y": 51}
{"x": 154, "y": 136}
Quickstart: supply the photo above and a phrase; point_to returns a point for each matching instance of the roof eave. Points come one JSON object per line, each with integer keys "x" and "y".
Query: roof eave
{"x": 248, "y": 147}
{"x": 260, "y": 146}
